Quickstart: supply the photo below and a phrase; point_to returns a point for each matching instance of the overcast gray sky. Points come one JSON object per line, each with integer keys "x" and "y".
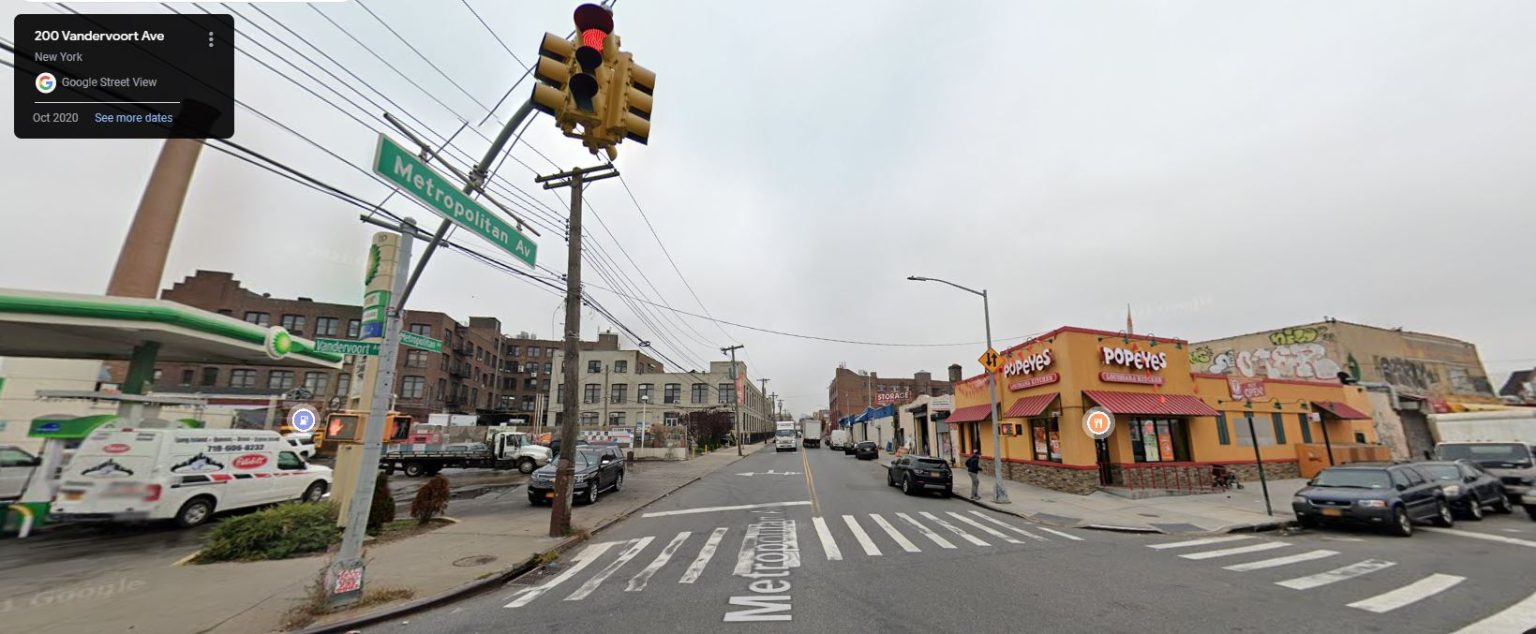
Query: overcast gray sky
{"x": 1223, "y": 167}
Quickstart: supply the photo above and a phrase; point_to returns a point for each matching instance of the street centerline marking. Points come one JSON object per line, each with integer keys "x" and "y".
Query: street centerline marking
{"x": 810, "y": 483}
{"x": 713, "y": 509}
{"x": 1421, "y": 589}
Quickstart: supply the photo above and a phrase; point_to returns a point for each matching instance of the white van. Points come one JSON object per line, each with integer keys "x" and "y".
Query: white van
{"x": 126, "y": 474}
{"x": 840, "y": 439}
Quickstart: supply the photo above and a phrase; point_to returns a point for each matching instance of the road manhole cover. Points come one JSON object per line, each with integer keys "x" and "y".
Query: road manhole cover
{"x": 474, "y": 560}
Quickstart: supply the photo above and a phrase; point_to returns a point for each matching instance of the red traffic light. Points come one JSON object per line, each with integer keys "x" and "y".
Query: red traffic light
{"x": 593, "y": 16}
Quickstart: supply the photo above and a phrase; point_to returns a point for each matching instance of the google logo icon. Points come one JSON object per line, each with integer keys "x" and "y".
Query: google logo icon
{"x": 46, "y": 83}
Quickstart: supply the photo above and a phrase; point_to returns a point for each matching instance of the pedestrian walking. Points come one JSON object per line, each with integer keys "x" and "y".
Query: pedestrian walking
{"x": 973, "y": 467}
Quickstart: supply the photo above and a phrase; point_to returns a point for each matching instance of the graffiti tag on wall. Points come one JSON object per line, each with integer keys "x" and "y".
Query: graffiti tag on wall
{"x": 1291, "y": 336}
{"x": 1407, "y": 373}
{"x": 1295, "y": 361}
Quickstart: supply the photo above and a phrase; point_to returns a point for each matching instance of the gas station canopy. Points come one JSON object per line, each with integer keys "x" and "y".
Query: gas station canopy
{"x": 71, "y": 326}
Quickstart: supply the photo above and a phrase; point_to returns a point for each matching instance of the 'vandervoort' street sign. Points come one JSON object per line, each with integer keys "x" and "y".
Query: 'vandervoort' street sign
{"x": 347, "y": 346}
{"x": 402, "y": 168}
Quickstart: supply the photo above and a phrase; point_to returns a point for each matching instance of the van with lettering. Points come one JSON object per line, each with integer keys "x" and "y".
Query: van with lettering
{"x": 125, "y": 474}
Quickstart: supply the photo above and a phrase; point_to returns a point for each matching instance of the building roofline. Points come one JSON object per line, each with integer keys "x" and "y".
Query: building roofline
{"x": 1332, "y": 322}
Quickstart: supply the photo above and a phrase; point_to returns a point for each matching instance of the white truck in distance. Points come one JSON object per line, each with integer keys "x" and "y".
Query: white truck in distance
{"x": 784, "y": 435}
{"x": 496, "y": 449}
{"x": 810, "y": 432}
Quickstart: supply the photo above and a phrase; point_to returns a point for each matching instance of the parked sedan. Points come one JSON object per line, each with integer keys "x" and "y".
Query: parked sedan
{"x": 920, "y": 473}
{"x": 866, "y": 450}
{"x": 598, "y": 469}
{"x": 1393, "y": 496}
{"x": 1468, "y": 488}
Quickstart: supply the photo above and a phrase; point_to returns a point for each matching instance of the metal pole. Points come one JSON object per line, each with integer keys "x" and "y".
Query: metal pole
{"x": 349, "y": 557}
{"x": 1263, "y": 482}
{"x": 1327, "y": 444}
{"x": 560, "y": 517}
{"x": 999, "y": 494}
{"x": 735, "y": 402}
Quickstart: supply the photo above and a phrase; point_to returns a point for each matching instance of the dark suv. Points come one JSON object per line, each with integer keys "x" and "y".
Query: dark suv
{"x": 1393, "y": 496}
{"x": 921, "y": 474}
{"x": 598, "y": 469}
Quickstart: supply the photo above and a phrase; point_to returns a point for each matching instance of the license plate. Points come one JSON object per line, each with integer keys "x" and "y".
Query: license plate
{"x": 1333, "y": 512}
{"x": 72, "y": 495}
{"x": 550, "y": 495}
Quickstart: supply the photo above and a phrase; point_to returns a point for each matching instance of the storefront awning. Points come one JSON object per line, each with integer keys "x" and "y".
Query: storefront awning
{"x": 970, "y": 414}
{"x": 1030, "y": 406}
{"x": 1142, "y": 403}
{"x": 1340, "y": 410}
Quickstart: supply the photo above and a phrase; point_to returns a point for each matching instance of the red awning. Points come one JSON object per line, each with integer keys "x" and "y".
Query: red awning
{"x": 970, "y": 414}
{"x": 1142, "y": 403}
{"x": 1340, "y": 410}
{"x": 1030, "y": 406}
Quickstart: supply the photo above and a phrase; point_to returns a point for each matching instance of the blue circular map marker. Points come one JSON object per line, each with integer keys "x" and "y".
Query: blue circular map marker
{"x": 303, "y": 419}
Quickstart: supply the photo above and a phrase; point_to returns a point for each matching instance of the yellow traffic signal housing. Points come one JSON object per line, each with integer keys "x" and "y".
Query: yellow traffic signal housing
{"x": 628, "y": 115}
{"x": 348, "y": 426}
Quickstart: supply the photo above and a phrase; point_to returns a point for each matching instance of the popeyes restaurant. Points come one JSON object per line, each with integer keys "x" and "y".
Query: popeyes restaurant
{"x": 1164, "y": 428}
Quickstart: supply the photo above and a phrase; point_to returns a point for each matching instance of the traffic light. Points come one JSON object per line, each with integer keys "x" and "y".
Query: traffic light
{"x": 588, "y": 82}
{"x": 628, "y": 112}
{"x": 344, "y": 428}
{"x": 397, "y": 427}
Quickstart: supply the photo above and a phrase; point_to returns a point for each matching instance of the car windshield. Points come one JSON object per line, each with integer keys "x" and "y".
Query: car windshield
{"x": 785, "y": 433}
{"x": 1352, "y": 479}
{"x": 1489, "y": 454}
{"x": 936, "y": 465}
{"x": 1442, "y": 471}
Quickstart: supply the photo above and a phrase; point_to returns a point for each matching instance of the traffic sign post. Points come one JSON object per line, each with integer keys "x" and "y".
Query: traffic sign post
{"x": 303, "y": 419}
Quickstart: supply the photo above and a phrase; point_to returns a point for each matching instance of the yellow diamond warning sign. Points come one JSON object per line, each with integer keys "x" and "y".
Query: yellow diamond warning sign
{"x": 991, "y": 360}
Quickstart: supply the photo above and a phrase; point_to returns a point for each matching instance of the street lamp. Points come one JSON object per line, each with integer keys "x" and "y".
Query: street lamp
{"x": 645, "y": 400}
{"x": 999, "y": 495}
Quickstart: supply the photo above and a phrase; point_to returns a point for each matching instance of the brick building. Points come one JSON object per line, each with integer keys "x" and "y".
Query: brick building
{"x": 480, "y": 371}
{"x": 850, "y": 392}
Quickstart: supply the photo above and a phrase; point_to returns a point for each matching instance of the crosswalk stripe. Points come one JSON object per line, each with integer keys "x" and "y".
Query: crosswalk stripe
{"x": 1475, "y": 535}
{"x": 705, "y": 554}
{"x": 637, "y": 582}
{"x": 901, "y": 540}
{"x": 1021, "y": 531}
{"x": 1282, "y": 561}
{"x": 986, "y": 529}
{"x": 927, "y": 532}
{"x": 1199, "y": 542}
{"x": 1057, "y": 532}
{"x": 1227, "y": 552}
{"x": 1335, "y": 575}
{"x": 858, "y": 533}
{"x": 1514, "y": 618}
{"x": 954, "y": 529}
{"x": 635, "y": 546}
{"x": 1421, "y": 589}
{"x": 578, "y": 563}
{"x": 827, "y": 544}
{"x": 748, "y": 550}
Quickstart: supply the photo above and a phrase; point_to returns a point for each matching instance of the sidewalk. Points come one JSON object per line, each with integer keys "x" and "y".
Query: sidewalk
{"x": 147, "y": 592}
{"x": 1235, "y": 510}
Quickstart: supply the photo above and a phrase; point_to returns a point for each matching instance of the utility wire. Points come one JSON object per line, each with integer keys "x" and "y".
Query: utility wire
{"x": 418, "y": 53}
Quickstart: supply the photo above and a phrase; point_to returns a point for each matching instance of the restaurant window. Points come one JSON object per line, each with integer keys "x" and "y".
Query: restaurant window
{"x": 1159, "y": 440}
{"x": 1046, "y": 433}
{"x": 673, "y": 393}
{"x": 239, "y": 378}
{"x": 326, "y": 326}
{"x": 343, "y": 384}
{"x": 354, "y": 328}
{"x": 1247, "y": 427}
{"x": 1306, "y": 426}
{"x": 1279, "y": 422}
{"x": 294, "y": 323}
{"x": 280, "y": 380}
{"x": 1223, "y": 435}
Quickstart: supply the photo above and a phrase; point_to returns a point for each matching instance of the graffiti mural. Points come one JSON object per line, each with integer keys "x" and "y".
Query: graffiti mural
{"x": 1223, "y": 362}
{"x": 1294, "y": 361}
{"x": 1292, "y": 336}
{"x": 1200, "y": 356}
{"x": 1407, "y": 373}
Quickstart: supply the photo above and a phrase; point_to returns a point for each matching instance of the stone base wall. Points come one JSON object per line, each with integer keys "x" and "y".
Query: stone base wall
{"x": 1077, "y": 481}
{"x": 1172, "y": 479}
{"x": 1272, "y": 471}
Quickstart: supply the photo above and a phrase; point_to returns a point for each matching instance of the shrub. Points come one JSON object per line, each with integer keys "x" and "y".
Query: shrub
{"x": 382, "y": 511}
{"x": 431, "y": 500}
{"x": 278, "y": 532}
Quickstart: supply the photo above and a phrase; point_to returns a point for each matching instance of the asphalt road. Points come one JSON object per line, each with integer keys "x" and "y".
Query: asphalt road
{"x": 989, "y": 572}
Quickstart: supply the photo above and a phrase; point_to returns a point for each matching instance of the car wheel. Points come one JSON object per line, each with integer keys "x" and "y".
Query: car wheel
{"x": 315, "y": 492}
{"x": 526, "y": 466}
{"x": 618, "y": 482}
{"x": 592, "y": 494}
{"x": 1306, "y": 521}
{"x": 1474, "y": 508}
{"x": 533, "y": 501}
{"x": 1401, "y": 525}
{"x": 1531, "y": 511}
{"x": 890, "y": 478}
{"x": 1501, "y": 504}
{"x": 949, "y": 492}
{"x": 1443, "y": 517}
{"x": 195, "y": 512}
{"x": 906, "y": 485}
{"x": 414, "y": 470}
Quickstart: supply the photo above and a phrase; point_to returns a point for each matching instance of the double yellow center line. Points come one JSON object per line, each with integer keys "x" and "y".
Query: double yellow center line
{"x": 810, "y": 481}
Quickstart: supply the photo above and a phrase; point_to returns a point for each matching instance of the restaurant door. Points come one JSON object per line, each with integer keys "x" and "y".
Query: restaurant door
{"x": 1101, "y": 451}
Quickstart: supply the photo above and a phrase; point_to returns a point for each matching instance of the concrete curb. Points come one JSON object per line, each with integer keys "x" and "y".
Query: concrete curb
{"x": 497, "y": 579}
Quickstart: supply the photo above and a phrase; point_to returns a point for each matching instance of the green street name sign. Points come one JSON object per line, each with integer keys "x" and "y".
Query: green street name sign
{"x": 408, "y": 338}
{"x": 347, "y": 346}
{"x": 402, "y": 168}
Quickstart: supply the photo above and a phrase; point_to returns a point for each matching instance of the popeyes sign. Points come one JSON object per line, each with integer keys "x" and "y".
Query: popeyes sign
{"x": 1028, "y": 364}
{"x": 1139, "y": 359}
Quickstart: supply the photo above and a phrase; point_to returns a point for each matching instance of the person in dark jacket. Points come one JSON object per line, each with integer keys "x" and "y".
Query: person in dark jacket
{"x": 973, "y": 467}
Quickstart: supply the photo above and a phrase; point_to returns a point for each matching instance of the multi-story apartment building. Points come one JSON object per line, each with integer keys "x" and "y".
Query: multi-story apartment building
{"x": 627, "y": 387}
{"x": 480, "y": 370}
{"x": 851, "y": 392}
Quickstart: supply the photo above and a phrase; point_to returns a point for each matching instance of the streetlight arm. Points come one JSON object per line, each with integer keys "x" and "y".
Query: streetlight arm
{"x": 918, "y": 278}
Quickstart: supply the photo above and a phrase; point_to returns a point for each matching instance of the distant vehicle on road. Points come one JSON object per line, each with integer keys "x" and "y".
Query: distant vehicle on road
{"x": 1511, "y": 462}
{"x": 1468, "y": 488}
{"x": 840, "y": 439}
{"x": 598, "y": 469}
{"x": 784, "y": 436}
{"x": 501, "y": 449}
{"x": 866, "y": 450}
{"x": 921, "y": 474}
{"x": 302, "y": 444}
{"x": 810, "y": 432}
{"x": 1392, "y": 496}
{"x": 16, "y": 468}
{"x": 186, "y": 475}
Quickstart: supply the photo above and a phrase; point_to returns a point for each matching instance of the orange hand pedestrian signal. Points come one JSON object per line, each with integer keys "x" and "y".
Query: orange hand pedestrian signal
{"x": 991, "y": 360}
